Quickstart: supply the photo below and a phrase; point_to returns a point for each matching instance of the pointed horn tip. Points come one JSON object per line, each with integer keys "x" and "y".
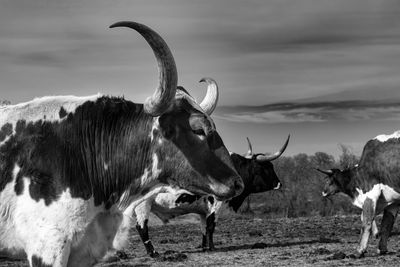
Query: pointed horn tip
{"x": 119, "y": 24}
{"x": 207, "y": 80}
{"x": 248, "y": 142}
{"x": 129, "y": 24}
{"x": 286, "y": 143}
{"x": 250, "y": 150}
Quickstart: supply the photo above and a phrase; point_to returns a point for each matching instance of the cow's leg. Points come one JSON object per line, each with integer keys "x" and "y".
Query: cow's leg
{"x": 97, "y": 239}
{"x": 367, "y": 217}
{"x": 210, "y": 231}
{"x": 53, "y": 251}
{"x": 374, "y": 230}
{"x": 389, "y": 216}
{"x": 121, "y": 239}
{"x": 142, "y": 217}
{"x": 143, "y": 231}
{"x": 203, "y": 229}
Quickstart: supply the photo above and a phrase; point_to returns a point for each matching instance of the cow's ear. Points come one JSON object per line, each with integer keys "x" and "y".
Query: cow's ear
{"x": 200, "y": 124}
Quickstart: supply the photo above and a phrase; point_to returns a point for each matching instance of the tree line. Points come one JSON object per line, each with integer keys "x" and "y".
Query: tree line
{"x": 301, "y": 194}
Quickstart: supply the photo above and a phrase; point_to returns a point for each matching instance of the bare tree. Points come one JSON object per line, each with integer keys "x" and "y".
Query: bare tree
{"x": 347, "y": 158}
{"x": 4, "y": 102}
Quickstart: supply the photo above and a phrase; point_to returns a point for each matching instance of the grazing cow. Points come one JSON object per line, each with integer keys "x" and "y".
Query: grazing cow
{"x": 258, "y": 176}
{"x": 70, "y": 165}
{"x": 373, "y": 185}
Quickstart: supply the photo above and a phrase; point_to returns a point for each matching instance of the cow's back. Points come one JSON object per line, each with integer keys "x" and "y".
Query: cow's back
{"x": 380, "y": 159}
{"x": 49, "y": 108}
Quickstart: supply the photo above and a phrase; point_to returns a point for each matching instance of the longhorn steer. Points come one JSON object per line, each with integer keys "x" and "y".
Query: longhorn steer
{"x": 373, "y": 185}
{"x": 258, "y": 176}
{"x": 70, "y": 165}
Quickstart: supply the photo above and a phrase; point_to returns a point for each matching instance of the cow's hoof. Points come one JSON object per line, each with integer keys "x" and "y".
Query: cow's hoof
{"x": 208, "y": 249}
{"x": 382, "y": 251}
{"x": 357, "y": 255}
{"x": 154, "y": 254}
{"x": 121, "y": 254}
{"x": 110, "y": 257}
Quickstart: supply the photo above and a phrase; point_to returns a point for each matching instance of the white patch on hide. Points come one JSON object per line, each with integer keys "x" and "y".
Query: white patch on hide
{"x": 45, "y": 231}
{"x": 105, "y": 166}
{"x": 10, "y": 243}
{"x": 373, "y": 194}
{"x": 155, "y": 127}
{"x": 155, "y": 170}
{"x": 145, "y": 178}
{"x": 45, "y": 108}
{"x": 388, "y": 196}
{"x": 384, "y": 137}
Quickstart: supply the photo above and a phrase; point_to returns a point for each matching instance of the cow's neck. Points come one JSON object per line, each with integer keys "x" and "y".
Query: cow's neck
{"x": 242, "y": 167}
{"x": 353, "y": 181}
{"x": 236, "y": 202}
{"x": 115, "y": 148}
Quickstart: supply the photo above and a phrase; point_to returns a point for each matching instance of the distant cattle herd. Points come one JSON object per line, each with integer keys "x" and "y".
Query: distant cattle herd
{"x": 77, "y": 172}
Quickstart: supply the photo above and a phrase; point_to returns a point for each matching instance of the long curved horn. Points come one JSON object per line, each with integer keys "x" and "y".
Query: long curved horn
{"x": 210, "y": 101}
{"x": 263, "y": 157}
{"x": 249, "y": 152}
{"x": 327, "y": 172}
{"x": 163, "y": 98}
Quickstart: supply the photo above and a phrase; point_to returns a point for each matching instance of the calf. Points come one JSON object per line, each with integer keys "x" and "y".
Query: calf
{"x": 70, "y": 165}
{"x": 258, "y": 176}
{"x": 373, "y": 185}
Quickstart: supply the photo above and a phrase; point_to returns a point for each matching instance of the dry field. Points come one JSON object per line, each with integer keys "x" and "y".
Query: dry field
{"x": 253, "y": 241}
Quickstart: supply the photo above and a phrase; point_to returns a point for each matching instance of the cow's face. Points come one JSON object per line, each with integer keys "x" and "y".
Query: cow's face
{"x": 195, "y": 156}
{"x": 257, "y": 170}
{"x": 333, "y": 182}
{"x": 264, "y": 177}
{"x": 184, "y": 141}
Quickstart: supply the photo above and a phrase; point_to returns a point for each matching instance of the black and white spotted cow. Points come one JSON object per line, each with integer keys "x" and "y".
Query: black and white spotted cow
{"x": 70, "y": 165}
{"x": 373, "y": 185}
{"x": 257, "y": 173}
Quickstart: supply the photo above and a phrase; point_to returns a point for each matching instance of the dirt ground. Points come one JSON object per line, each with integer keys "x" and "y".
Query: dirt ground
{"x": 254, "y": 241}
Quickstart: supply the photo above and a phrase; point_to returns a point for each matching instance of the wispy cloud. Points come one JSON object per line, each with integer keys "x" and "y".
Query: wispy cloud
{"x": 312, "y": 112}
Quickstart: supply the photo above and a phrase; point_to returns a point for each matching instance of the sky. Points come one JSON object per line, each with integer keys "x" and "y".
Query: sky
{"x": 327, "y": 72}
